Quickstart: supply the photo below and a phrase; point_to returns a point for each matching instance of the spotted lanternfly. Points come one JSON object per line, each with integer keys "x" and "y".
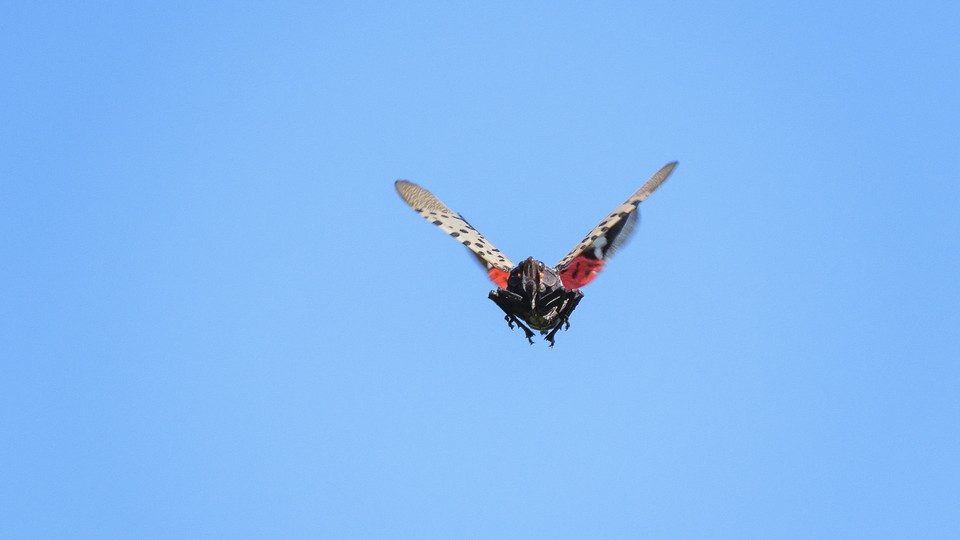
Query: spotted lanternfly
{"x": 532, "y": 292}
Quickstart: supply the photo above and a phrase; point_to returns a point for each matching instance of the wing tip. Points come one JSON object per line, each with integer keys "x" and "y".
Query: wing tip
{"x": 658, "y": 178}
{"x": 412, "y": 194}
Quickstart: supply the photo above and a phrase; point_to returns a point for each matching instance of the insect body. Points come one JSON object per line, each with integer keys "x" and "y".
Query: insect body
{"x": 531, "y": 292}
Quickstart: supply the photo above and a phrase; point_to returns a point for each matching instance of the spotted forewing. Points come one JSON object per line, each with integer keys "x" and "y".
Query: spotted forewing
{"x": 433, "y": 210}
{"x": 581, "y": 265}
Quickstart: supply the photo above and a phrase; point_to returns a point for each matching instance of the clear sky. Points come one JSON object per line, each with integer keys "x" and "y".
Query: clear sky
{"x": 218, "y": 320}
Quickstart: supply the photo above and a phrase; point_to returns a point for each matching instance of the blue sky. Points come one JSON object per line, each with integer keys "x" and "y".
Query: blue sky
{"x": 219, "y": 320}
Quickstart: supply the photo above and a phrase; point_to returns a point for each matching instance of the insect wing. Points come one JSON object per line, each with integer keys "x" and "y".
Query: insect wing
{"x": 586, "y": 260}
{"x": 452, "y": 223}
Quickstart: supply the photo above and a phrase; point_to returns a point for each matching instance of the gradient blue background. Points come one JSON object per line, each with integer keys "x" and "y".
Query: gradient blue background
{"x": 219, "y": 320}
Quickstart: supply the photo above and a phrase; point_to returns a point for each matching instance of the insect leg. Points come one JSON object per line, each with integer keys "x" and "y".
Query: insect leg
{"x": 513, "y": 319}
{"x": 510, "y": 317}
{"x": 566, "y": 309}
{"x": 550, "y": 336}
